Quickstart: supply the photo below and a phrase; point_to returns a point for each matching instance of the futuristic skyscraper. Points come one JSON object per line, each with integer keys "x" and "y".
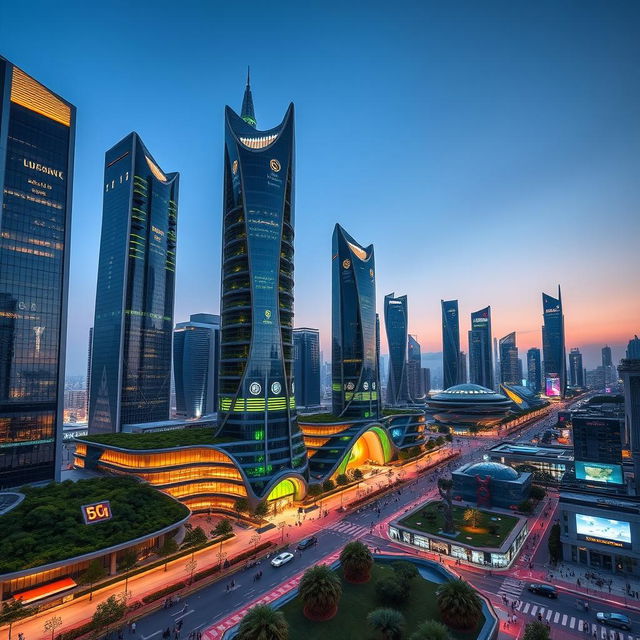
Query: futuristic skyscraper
{"x": 450, "y": 344}
{"x": 37, "y": 139}
{"x": 306, "y": 346}
{"x": 509, "y": 363}
{"x": 534, "y": 370}
{"x": 133, "y": 326}
{"x": 554, "y": 353}
{"x": 480, "y": 360}
{"x": 256, "y": 393}
{"x": 396, "y": 324}
{"x": 354, "y": 355}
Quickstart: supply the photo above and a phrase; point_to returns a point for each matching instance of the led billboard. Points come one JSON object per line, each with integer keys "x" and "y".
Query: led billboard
{"x": 599, "y": 472}
{"x": 552, "y": 387}
{"x": 614, "y": 533}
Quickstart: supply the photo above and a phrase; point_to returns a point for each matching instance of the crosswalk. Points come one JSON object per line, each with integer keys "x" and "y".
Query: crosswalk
{"x": 575, "y": 623}
{"x": 349, "y": 529}
{"x": 511, "y": 589}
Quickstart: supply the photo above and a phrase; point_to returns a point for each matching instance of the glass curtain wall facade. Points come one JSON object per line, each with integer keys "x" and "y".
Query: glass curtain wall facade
{"x": 554, "y": 353}
{"x": 576, "y": 371}
{"x": 133, "y": 325}
{"x": 37, "y": 130}
{"x": 416, "y": 375}
{"x": 396, "y": 324}
{"x": 306, "y": 346}
{"x": 450, "y": 344}
{"x": 480, "y": 360}
{"x": 355, "y": 337}
{"x": 196, "y": 349}
{"x": 534, "y": 370}
{"x": 256, "y": 386}
{"x": 509, "y": 363}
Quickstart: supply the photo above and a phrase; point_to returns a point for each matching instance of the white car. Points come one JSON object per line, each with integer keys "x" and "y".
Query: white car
{"x": 281, "y": 559}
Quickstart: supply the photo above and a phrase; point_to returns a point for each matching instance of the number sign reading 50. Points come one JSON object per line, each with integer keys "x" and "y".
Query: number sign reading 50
{"x": 96, "y": 512}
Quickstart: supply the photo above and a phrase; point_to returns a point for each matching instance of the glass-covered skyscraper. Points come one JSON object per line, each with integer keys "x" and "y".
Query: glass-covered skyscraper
{"x": 450, "y": 344}
{"x": 534, "y": 370}
{"x": 554, "y": 353}
{"x": 509, "y": 363}
{"x": 576, "y": 370}
{"x": 480, "y": 360}
{"x": 396, "y": 322}
{"x": 37, "y": 130}
{"x": 196, "y": 349}
{"x": 133, "y": 325}
{"x": 256, "y": 386}
{"x": 354, "y": 364}
{"x": 306, "y": 347}
{"x": 418, "y": 378}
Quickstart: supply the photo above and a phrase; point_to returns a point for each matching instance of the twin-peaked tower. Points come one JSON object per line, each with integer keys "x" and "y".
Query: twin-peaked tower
{"x": 256, "y": 388}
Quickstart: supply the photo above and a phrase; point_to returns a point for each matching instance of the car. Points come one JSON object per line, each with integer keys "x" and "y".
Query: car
{"x": 307, "y": 543}
{"x": 614, "y": 620}
{"x": 547, "y": 590}
{"x": 282, "y": 558}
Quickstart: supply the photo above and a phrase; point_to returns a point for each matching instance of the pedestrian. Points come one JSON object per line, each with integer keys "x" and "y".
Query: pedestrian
{"x": 133, "y": 627}
{"x": 186, "y": 606}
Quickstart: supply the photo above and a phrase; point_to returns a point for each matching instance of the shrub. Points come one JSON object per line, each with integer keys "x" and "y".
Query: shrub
{"x": 328, "y": 485}
{"x": 314, "y": 490}
{"x": 194, "y": 537}
{"x": 536, "y": 630}
{"x": 430, "y": 444}
{"x": 342, "y": 480}
{"x": 406, "y": 571}
{"x": 392, "y": 590}
{"x": 156, "y": 595}
{"x": 72, "y": 634}
{"x": 357, "y": 474}
{"x": 537, "y": 492}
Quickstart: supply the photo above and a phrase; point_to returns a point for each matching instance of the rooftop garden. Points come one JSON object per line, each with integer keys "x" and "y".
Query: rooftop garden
{"x": 476, "y": 527}
{"x": 48, "y": 525}
{"x": 320, "y": 418}
{"x": 158, "y": 439}
{"x": 399, "y": 412}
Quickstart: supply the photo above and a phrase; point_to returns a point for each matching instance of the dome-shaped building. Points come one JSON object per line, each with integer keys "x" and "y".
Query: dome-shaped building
{"x": 466, "y": 405}
{"x": 493, "y": 470}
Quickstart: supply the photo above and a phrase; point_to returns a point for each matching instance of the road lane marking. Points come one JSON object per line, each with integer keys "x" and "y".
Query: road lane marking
{"x": 564, "y": 620}
{"x": 185, "y": 615}
{"x": 151, "y": 635}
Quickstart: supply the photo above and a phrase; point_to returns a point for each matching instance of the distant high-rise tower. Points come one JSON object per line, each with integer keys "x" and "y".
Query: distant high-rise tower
{"x": 88, "y": 380}
{"x": 555, "y": 357}
{"x": 629, "y": 371}
{"x": 306, "y": 376}
{"x": 133, "y": 326}
{"x": 396, "y": 324}
{"x": 416, "y": 374}
{"x": 633, "y": 349}
{"x": 354, "y": 333}
{"x": 607, "y": 366}
{"x": 450, "y": 343}
{"x": 509, "y": 369}
{"x": 37, "y": 139}
{"x": 576, "y": 370}
{"x": 480, "y": 360}
{"x": 606, "y": 356}
{"x": 463, "y": 376}
{"x": 196, "y": 352}
{"x": 534, "y": 370}
{"x": 256, "y": 387}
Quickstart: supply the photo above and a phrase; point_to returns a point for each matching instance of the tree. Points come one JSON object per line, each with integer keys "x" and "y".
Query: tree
{"x": 52, "y": 624}
{"x": 526, "y": 506}
{"x": 168, "y": 548}
{"x": 445, "y": 487}
{"x": 431, "y": 630}
{"x": 389, "y": 623}
{"x": 342, "y": 480}
{"x": 194, "y": 537}
{"x": 537, "y": 492}
{"x": 392, "y": 590}
{"x": 414, "y": 451}
{"x": 472, "y": 517}
{"x": 12, "y": 611}
{"x": 328, "y": 485}
{"x": 241, "y": 506}
{"x": 356, "y": 561}
{"x": 448, "y": 437}
{"x": 440, "y": 441}
{"x": 554, "y": 544}
{"x": 430, "y": 444}
{"x": 536, "y": 630}
{"x": 314, "y": 490}
{"x": 108, "y": 612}
{"x": 320, "y": 590}
{"x": 459, "y": 604}
{"x": 94, "y": 573}
{"x": 407, "y": 571}
{"x": 223, "y": 528}
{"x": 127, "y": 562}
{"x": 190, "y": 567}
{"x": 263, "y": 623}
{"x": 262, "y": 509}
{"x": 357, "y": 474}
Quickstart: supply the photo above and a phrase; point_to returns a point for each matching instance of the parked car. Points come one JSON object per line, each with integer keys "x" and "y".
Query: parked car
{"x": 614, "y": 620}
{"x": 281, "y": 559}
{"x": 307, "y": 543}
{"x": 547, "y": 590}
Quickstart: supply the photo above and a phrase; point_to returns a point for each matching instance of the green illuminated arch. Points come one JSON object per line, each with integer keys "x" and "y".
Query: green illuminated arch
{"x": 381, "y": 439}
{"x": 287, "y": 487}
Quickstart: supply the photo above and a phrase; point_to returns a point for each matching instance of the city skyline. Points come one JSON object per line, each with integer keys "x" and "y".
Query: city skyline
{"x": 569, "y": 176}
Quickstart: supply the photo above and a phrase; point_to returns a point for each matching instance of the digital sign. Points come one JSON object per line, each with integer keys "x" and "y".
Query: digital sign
{"x": 599, "y": 472}
{"x": 552, "y": 387}
{"x": 613, "y": 533}
{"x": 96, "y": 512}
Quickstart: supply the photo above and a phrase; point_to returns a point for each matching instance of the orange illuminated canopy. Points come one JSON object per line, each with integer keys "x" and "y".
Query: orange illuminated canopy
{"x": 28, "y": 93}
{"x": 46, "y": 590}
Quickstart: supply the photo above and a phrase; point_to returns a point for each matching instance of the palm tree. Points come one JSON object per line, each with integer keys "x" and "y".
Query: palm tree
{"x": 459, "y": 603}
{"x": 431, "y": 630}
{"x": 263, "y": 623}
{"x": 320, "y": 590}
{"x": 389, "y": 623}
{"x": 356, "y": 560}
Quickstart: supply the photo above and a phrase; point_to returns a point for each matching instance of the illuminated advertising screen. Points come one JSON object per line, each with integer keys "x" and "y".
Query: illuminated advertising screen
{"x": 552, "y": 387}
{"x": 599, "y": 472}
{"x": 613, "y": 533}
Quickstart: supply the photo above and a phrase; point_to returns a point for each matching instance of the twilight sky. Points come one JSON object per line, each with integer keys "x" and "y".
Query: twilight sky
{"x": 488, "y": 149}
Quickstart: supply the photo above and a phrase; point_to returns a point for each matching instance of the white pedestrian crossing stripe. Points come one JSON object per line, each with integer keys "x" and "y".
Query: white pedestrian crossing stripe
{"x": 511, "y": 589}
{"x": 352, "y": 530}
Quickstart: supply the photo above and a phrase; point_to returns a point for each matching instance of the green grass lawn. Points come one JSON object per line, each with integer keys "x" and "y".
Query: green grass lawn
{"x": 357, "y": 601}
{"x": 158, "y": 439}
{"x": 480, "y": 537}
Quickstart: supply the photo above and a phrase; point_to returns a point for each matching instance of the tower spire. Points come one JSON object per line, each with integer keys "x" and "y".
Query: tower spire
{"x": 247, "y": 113}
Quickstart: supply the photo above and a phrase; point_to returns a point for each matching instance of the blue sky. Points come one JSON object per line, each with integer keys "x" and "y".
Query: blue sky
{"x": 488, "y": 149}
